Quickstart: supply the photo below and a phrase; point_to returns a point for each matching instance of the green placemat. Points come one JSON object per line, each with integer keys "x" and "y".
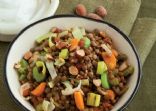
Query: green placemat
{"x": 144, "y": 36}
{"x": 121, "y": 13}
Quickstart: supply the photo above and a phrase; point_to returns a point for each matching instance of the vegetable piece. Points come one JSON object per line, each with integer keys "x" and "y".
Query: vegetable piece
{"x": 83, "y": 31}
{"x": 101, "y": 67}
{"x": 123, "y": 66}
{"x": 25, "y": 89}
{"x": 115, "y": 52}
{"x": 69, "y": 90}
{"x": 27, "y": 55}
{"x": 39, "y": 107}
{"x": 64, "y": 33}
{"x": 22, "y": 77}
{"x": 48, "y": 106}
{"x": 85, "y": 82}
{"x": 122, "y": 57}
{"x": 80, "y": 53}
{"x": 101, "y": 91}
{"x": 39, "y": 89}
{"x": 59, "y": 62}
{"x": 45, "y": 36}
{"x": 24, "y": 63}
{"x": 51, "y": 69}
{"x": 51, "y": 84}
{"x": 97, "y": 100}
{"x": 90, "y": 99}
{"x": 45, "y": 105}
{"x": 104, "y": 80}
{"x": 74, "y": 44}
{"x": 48, "y": 56}
{"x": 97, "y": 82}
{"x": 39, "y": 76}
{"x": 73, "y": 70}
{"x": 77, "y": 33}
{"x": 46, "y": 49}
{"x": 64, "y": 54}
{"x": 123, "y": 90}
{"x": 22, "y": 70}
{"x": 110, "y": 94}
{"x": 114, "y": 81}
{"x": 110, "y": 60}
{"x": 87, "y": 42}
{"x": 81, "y": 43}
{"x": 79, "y": 100}
{"x": 93, "y": 99}
{"x": 128, "y": 71}
{"x": 50, "y": 43}
{"x": 108, "y": 51}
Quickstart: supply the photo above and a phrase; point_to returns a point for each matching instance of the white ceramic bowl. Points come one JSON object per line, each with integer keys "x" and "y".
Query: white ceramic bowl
{"x": 25, "y": 40}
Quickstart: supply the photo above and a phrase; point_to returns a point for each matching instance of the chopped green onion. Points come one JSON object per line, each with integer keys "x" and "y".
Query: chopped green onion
{"x": 85, "y": 82}
{"x": 83, "y": 31}
{"x": 59, "y": 62}
{"x": 46, "y": 36}
{"x": 51, "y": 44}
{"x": 101, "y": 67}
{"x": 64, "y": 33}
{"x": 64, "y": 54}
{"x": 104, "y": 80}
{"x": 93, "y": 99}
{"x": 24, "y": 63}
{"x": 87, "y": 42}
{"x": 39, "y": 76}
{"x": 77, "y": 33}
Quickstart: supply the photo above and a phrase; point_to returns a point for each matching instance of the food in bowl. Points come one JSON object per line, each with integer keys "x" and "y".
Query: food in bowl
{"x": 73, "y": 69}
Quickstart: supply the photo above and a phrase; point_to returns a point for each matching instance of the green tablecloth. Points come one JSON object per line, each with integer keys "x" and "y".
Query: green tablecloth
{"x": 123, "y": 14}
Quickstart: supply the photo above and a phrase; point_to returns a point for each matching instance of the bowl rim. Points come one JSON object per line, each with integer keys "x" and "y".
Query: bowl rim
{"x": 74, "y": 16}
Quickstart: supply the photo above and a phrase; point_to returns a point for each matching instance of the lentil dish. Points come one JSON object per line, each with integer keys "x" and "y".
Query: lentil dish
{"x": 73, "y": 70}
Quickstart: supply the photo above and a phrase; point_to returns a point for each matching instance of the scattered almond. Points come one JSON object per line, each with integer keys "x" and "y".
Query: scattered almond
{"x": 73, "y": 70}
{"x": 48, "y": 56}
{"x": 61, "y": 45}
{"x": 101, "y": 11}
{"x": 102, "y": 34}
{"x": 80, "y": 53}
{"x": 94, "y": 16}
{"x": 81, "y": 10}
{"x": 97, "y": 82}
{"x": 27, "y": 55}
{"x": 17, "y": 66}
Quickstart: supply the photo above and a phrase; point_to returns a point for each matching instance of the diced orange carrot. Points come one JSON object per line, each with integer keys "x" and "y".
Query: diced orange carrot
{"x": 79, "y": 100}
{"x": 110, "y": 60}
{"x": 39, "y": 89}
{"x": 74, "y": 43}
{"x": 115, "y": 52}
{"x": 110, "y": 94}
